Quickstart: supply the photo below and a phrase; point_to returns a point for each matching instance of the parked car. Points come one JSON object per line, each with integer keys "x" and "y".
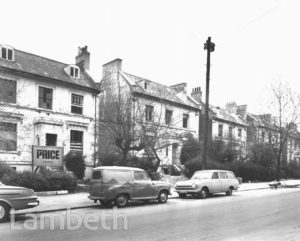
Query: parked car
{"x": 111, "y": 184}
{"x": 207, "y": 182}
{"x": 12, "y": 197}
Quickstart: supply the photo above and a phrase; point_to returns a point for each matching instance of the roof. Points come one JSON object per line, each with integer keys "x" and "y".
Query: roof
{"x": 213, "y": 170}
{"x": 47, "y": 68}
{"x": 228, "y": 116}
{"x": 117, "y": 168}
{"x": 157, "y": 90}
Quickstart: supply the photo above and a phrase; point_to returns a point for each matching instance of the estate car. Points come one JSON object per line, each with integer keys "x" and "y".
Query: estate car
{"x": 207, "y": 182}
{"x": 111, "y": 184}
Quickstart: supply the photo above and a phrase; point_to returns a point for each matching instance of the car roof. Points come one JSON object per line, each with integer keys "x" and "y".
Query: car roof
{"x": 117, "y": 168}
{"x": 213, "y": 170}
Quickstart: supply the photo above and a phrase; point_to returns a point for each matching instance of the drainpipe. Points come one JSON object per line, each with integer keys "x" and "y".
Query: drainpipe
{"x": 95, "y": 130}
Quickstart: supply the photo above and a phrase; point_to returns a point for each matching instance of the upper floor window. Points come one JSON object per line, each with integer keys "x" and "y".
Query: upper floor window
{"x": 230, "y": 131}
{"x": 168, "y": 117}
{"x": 76, "y": 104}
{"x": 263, "y": 136}
{"x": 149, "y": 113}
{"x": 45, "y": 98}
{"x": 146, "y": 85}
{"x": 220, "y": 130}
{"x": 7, "y": 53}
{"x": 74, "y": 71}
{"x": 8, "y": 136}
{"x": 185, "y": 119}
{"x": 239, "y": 133}
{"x": 8, "y": 91}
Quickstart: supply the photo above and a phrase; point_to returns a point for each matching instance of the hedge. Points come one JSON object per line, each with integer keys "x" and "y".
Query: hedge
{"x": 45, "y": 180}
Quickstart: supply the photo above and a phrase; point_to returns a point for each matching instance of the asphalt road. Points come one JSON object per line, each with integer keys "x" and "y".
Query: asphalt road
{"x": 252, "y": 215}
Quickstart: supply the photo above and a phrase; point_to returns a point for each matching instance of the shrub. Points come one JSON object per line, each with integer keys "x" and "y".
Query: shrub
{"x": 192, "y": 166}
{"x": 28, "y": 179}
{"x": 59, "y": 180}
{"x": 190, "y": 149}
{"x": 75, "y": 163}
{"x": 6, "y": 170}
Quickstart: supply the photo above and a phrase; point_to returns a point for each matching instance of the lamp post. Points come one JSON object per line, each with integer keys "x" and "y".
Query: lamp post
{"x": 210, "y": 47}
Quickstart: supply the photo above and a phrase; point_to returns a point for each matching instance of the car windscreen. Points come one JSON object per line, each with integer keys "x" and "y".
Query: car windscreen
{"x": 118, "y": 175}
{"x": 202, "y": 175}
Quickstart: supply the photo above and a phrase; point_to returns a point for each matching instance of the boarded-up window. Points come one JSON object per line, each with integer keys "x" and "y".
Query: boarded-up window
{"x": 8, "y": 91}
{"x": 76, "y": 144}
{"x": 8, "y": 136}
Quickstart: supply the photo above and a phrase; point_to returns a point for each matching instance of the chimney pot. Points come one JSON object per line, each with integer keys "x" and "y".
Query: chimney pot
{"x": 197, "y": 94}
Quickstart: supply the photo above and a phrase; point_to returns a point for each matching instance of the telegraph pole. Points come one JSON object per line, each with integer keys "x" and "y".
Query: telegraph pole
{"x": 210, "y": 47}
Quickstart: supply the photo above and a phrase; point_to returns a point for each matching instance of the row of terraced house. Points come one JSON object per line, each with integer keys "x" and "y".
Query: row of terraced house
{"x": 51, "y": 107}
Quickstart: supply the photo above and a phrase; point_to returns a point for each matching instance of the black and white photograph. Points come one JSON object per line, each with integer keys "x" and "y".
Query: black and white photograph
{"x": 148, "y": 120}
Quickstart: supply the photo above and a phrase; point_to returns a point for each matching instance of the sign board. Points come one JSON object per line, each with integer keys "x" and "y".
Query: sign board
{"x": 47, "y": 156}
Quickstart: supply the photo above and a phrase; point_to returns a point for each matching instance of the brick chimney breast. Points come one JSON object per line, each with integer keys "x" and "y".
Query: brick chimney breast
{"x": 83, "y": 58}
{"x": 197, "y": 94}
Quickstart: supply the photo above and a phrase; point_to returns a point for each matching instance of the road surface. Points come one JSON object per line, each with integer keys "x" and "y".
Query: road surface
{"x": 252, "y": 215}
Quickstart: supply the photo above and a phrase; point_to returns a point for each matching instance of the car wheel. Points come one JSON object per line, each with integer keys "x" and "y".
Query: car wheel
{"x": 229, "y": 192}
{"x": 121, "y": 201}
{"x": 203, "y": 193}
{"x": 4, "y": 212}
{"x": 163, "y": 197}
{"x": 182, "y": 195}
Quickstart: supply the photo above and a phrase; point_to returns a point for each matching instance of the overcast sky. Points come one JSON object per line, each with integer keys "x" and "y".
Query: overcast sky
{"x": 257, "y": 41}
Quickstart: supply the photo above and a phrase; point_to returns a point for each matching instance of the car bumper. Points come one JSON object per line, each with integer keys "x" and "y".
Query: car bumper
{"x": 188, "y": 191}
{"x": 33, "y": 204}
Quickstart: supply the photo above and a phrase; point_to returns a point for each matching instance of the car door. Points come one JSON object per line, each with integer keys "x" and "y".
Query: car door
{"x": 224, "y": 181}
{"x": 143, "y": 186}
{"x": 216, "y": 183}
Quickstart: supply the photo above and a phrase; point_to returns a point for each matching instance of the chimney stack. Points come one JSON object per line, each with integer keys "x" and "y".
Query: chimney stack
{"x": 197, "y": 94}
{"x": 83, "y": 58}
{"x": 111, "y": 67}
{"x": 231, "y": 107}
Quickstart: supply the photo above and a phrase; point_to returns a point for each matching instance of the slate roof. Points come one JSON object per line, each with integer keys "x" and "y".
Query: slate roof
{"x": 228, "y": 116}
{"x": 157, "y": 90}
{"x": 48, "y": 68}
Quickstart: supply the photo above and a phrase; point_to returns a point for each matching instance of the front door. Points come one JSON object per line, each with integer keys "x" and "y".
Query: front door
{"x": 143, "y": 186}
{"x": 216, "y": 183}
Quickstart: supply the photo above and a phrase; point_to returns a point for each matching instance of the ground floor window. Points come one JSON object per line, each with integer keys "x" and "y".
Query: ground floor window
{"x": 76, "y": 143}
{"x": 51, "y": 139}
{"x": 8, "y": 136}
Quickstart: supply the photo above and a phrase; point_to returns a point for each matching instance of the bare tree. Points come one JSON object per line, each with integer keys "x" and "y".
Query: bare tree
{"x": 126, "y": 123}
{"x": 118, "y": 125}
{"x": 281, "y": 123}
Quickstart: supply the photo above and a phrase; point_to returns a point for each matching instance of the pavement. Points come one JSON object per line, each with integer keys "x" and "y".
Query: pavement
{"x": 62, "y": 201}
